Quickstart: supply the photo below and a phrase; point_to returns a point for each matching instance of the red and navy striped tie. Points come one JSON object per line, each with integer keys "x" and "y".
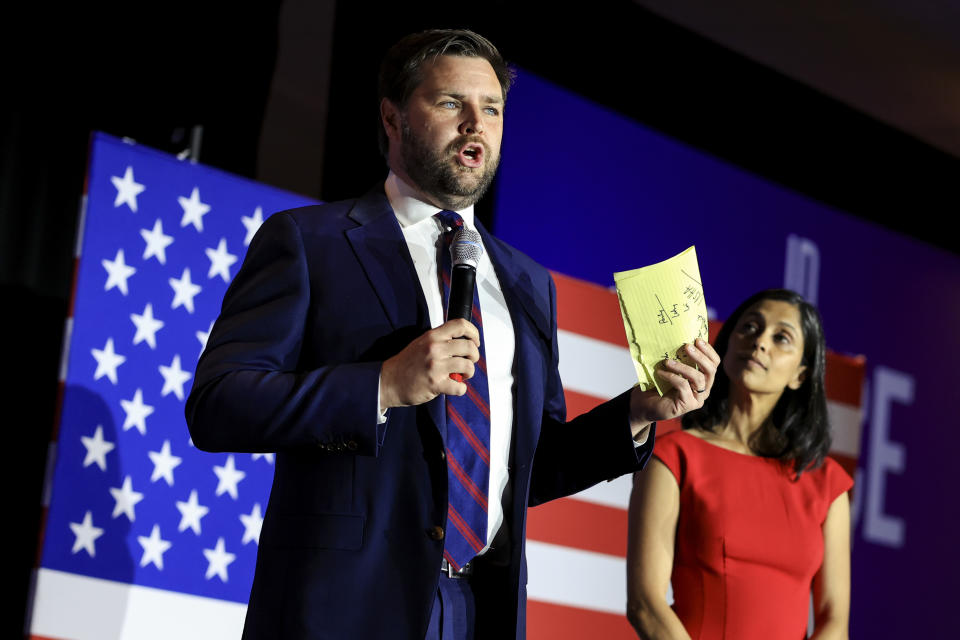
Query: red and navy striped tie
{"x": 468, "y": 436}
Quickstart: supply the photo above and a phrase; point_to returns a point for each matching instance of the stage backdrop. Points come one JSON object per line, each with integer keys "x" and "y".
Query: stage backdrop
{"x": 610, "y": 194}
{"x": 147, "y": 537}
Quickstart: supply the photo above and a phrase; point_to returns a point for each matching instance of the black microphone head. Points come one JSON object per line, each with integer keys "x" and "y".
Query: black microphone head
{"x": 466, "y": 248}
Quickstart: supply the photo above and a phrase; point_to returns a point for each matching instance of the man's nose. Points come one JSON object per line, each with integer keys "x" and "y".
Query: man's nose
{"x": 472, "y": 122}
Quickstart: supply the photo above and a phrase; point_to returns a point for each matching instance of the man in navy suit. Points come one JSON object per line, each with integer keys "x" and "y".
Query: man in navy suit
{"x": 331, "y": 349}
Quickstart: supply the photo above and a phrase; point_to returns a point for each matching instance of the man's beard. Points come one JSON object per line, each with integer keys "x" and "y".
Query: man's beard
{"x": 453, "y": 186}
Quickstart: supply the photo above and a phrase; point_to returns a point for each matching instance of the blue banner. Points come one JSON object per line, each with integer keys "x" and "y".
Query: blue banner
{"x": 588, "y": 192}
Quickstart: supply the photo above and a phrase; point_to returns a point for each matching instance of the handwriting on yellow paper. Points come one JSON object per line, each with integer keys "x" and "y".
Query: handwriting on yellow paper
{"x": 663, "y": 308}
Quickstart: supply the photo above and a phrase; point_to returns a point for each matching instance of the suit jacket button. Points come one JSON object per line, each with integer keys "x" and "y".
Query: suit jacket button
{"x": 435, "y": 533}
{"x": 352, "y": 445}
{"x": 443, "y": 454}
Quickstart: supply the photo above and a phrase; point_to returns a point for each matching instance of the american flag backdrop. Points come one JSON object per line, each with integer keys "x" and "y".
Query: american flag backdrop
{"x": 148, "y": 538}
{"x": 140, "y": 523}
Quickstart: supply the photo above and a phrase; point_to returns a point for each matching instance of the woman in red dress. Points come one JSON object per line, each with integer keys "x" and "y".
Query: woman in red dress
{"x": 741, "y": 512}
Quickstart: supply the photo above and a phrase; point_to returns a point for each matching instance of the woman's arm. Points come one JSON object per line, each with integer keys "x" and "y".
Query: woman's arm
{"x": 831, "y": 585}
{"x": 654, "y": 511}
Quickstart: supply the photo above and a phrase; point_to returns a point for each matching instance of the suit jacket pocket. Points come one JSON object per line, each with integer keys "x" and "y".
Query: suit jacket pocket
{"x": 320, "y": 531}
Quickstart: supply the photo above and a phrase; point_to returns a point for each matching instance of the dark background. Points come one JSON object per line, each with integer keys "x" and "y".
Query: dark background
{"x": 285, "y": 93}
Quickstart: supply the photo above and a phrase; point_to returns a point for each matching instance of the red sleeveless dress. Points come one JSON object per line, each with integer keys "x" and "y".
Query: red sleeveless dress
{"x": 749, "y": 539}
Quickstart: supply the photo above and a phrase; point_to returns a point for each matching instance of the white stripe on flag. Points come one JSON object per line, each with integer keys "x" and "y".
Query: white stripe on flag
{"x": 594, "y": 367}
{"x": 845, "y": 423}
{"x": 77, "y": 607}
{"x": 610, "y": 494}
{"x": 576, "y": 578}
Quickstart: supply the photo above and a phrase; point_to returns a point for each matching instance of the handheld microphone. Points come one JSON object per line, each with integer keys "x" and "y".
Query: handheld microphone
{"x": 465, "y": 252}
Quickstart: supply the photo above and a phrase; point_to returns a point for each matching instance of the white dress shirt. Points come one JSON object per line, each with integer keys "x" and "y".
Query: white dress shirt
{"x": 423, "y": 235}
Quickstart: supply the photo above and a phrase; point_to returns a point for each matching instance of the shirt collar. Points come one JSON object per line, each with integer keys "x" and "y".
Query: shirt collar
{"x": 408, "y": 206}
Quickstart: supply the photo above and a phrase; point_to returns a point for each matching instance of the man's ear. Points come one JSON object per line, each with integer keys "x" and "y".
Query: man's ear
{"x": 390, "y": 117}
{"x": 798, "y": 377}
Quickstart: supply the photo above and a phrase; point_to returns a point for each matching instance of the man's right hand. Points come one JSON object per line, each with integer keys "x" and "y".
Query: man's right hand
{"x": 421, "y": 371}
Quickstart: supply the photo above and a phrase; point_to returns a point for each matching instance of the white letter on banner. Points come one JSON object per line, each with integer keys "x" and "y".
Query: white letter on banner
{"x": 885, "y": 456}
{"x": 802, "y": 269}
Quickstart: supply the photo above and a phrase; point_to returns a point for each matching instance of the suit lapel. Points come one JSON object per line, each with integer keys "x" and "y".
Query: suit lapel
{"x": 519, "y": 292}
{"x": 531, "y": 320}
{"x": 377, "y": 241}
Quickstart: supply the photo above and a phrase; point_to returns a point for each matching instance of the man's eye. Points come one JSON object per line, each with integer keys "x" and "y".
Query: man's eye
{"x": 493, "y": 111}
{"x": 448, "y": 104}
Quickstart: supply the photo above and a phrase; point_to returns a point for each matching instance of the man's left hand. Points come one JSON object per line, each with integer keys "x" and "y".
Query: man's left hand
{"x": 689, "y": 388}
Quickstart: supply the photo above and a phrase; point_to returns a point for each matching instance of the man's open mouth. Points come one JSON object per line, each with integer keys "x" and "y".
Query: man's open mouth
{"x": 471, "y": 155}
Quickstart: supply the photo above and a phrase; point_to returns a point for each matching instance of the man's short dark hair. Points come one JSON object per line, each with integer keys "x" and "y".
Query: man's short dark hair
{"x": 400, "y": 70}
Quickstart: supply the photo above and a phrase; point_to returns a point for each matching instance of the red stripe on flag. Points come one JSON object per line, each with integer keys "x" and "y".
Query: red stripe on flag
{"x": 594, "y": 311}
{"x": 469, "y": 435}
{"x": 467, "y": 533}
{"x": 713, "y": 328}
{"x": 844, "y": 378}
{"x": 588, "y": 309}
{"x": 848, "y": 463}
{"x": 546, "y": 621}
{"x": 583, "y": 525}
{"x": 579, "y": 403}
{"x": 466, "y": 481}
{"x": 32, "y": 637}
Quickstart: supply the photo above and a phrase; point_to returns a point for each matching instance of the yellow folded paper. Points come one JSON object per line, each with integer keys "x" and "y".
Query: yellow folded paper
{"x": 663, "y": 308}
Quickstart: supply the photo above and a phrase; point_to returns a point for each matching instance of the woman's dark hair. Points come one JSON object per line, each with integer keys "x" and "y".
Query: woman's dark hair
{"x": 400, "y": 69}
{"x": 798, "y": 431}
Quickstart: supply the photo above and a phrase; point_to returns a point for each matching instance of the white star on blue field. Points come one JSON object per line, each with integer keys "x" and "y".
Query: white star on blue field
{"x": 132, "y": 499}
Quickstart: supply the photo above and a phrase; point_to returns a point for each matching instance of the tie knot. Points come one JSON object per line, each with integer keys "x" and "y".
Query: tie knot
{"x": 450, "y": 220}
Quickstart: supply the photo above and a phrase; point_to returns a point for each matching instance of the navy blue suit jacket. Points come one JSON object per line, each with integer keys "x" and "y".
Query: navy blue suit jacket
{"x": 326, "y": 293}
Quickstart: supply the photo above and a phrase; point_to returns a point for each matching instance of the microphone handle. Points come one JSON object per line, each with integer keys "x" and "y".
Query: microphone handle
{"x": 462, "y": 282}
{"x": 460, "y": 305}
